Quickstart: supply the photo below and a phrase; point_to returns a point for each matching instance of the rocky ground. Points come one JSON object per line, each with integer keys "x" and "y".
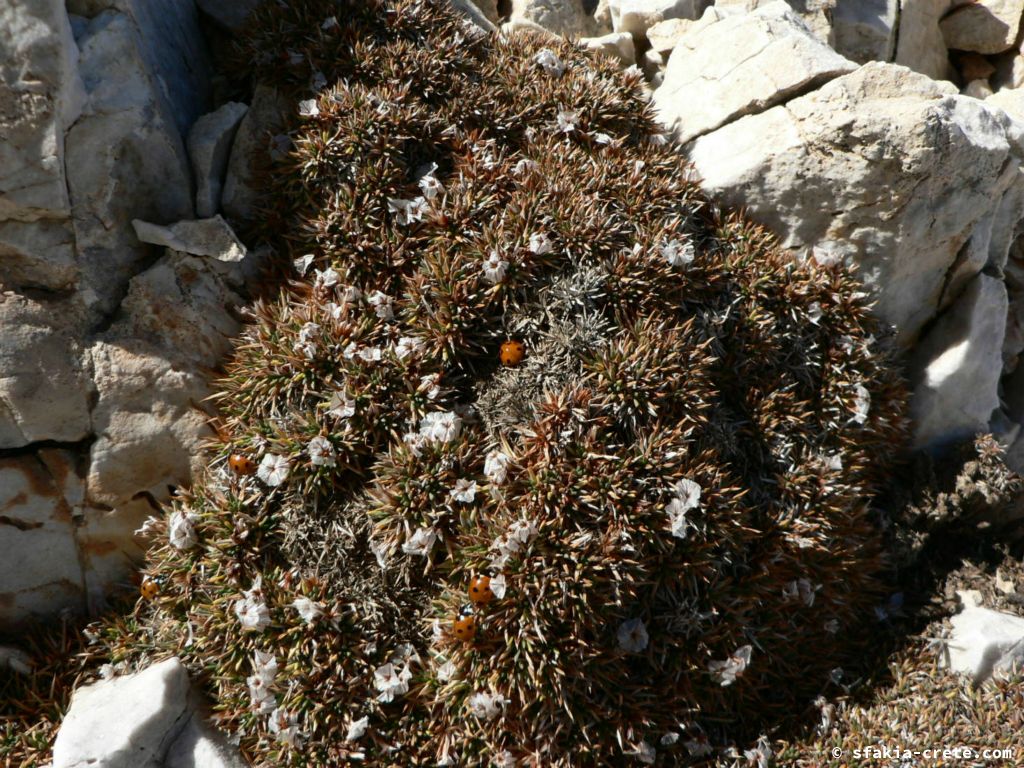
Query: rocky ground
{"x": 886, "y": 135}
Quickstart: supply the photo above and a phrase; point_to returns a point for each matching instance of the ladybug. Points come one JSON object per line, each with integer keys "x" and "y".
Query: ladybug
{"x": 149, "y": 588}
{"x": 465, "y": 624}
{"x": 241, "y": 465}
{"x": 480, "y": 590}
{"x": 512, "y": 352}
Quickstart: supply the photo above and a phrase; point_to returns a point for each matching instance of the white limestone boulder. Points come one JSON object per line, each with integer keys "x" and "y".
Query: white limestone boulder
{"x": 209, "y": 148}
{"x": 984, "y": 642}
{"x": 637, "y": 16}
{"x": 920, "y": 43}
{"x": 865, "y": 30}
{"x": 562, "y": 17}
{"x": 910, "y": 184}
{"x": 983, "y": 26}
{"x": 740, "y": 66}
{"x": 618, "y": 45}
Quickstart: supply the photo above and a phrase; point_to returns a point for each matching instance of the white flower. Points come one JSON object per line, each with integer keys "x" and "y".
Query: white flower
{"x": 676, "y": 253}
{"x": 514, "y": 541}
{"x": 688, "y": 492}
{"x": 549, "y": 62}
{"x": 441, "y": 426}
{"x": 498, "y": 586}
{"x": 761, "y": 755}
{"x": 601, "y": 138}
{"x": 251, "y": 611}
{"x": 321, "y": 452}
{"x": 567, "y": 120}
{"x": 391, "y": 682}
{"x": 326, "y": 278}
{"x": 309, "y": 108}
{"x": 407, "y": 211}
{"x": 329, "y": 23}
{"x": 446, "y": 671}
{"x": 285, "y": 727}
{"x": 382, "y": 305}
{"x": 415, "y": 441}
{"x": 182, "y": 530}
{"x": 341, "y": 406}
{"x": 678, "y": 523}
{"x": 430, "y": 186}
{"x": 726, "y": 672}
{"x": 464, "y": 491}
{"x": 350, "y": 295}
{"x": 107, "y": 671}
{"x": 148, "y": 527}
{"x": 494, "y": 268}
{"x": 370, "y": 354}
{"x": 306, "y": 348}
{"x": 486, "y": 706}
{"x": 496, "y": 467}
{"x": 357, "y": 728}
{"x": 523, "y": 166}
{"x": 861, "y": 404}
{"x": 308, "y": 609}
{"x": 632, "y": 636}
{"x": 407, "y": 345}
{"x": 669, "y": 738}
{"x": 430, "y": 385}
{"x": 309, "y": 331}
{"x": 540, "y": 243}
{"x": 832, "y": 626}
{"x": 646, "y": 753}
{"x": 303, "y": 263}
{"x": 264, "y": 667}
{"x": 814, "y": 312}
{"x": 273, "y": 470}
{"x": 801, "y": 588}
{"x": 421, "y": 542}
{"x": 505, "y": 759}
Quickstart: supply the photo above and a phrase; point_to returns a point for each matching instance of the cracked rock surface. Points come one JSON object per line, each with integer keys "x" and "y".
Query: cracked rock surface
{"x": 107, "y": 334}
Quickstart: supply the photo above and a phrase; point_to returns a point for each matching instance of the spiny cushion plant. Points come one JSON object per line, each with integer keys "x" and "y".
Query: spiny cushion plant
{"x": 670, "y": 493}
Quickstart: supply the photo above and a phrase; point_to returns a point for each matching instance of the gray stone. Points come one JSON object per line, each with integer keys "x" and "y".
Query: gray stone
{"x": 209, "y": 147}
{"x": 637, "y": 16}
{"x": 920, "y": 44}
{"x": 912, "y": 173}
{"x": 618, "y": 45}
{"x": 816, "y": 14}
{"x": 739, "y": 66}
{"x": 865, "y": 30}
{"x": 484, "y": 15}
{"x": 983, "y": 641}
{"x": 261, "y": 123}
{"x": 230, "y": 14}
{"x": 984, "y": 26}
{"x": 563, "y": 17}
{"x": 957, "y": 365}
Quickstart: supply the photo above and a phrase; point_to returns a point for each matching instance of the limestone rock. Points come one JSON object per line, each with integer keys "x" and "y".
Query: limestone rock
{"x": 230, "y": 14}
{"x": 209, "y": 147}
{"x": 261, "y": 123}
{"x": 984, "y": 26}
{"x": 563, "y": 17}
{"x": 978, "y": 89}
{"x": 637, "y": 16}
{"x": 40, "y": 571}
{"x": 816, "y": 14}
{"x": 739, "y": 66}
{"x": 957, "y": 365}
{"x": 984, "y": 641}
{"x": 865, "y": 30}
{"x": 151, "y": 719}
{"x": 913, "y": 173}
{"x": 202, "y": 237}
{"x": 44, "y": 388}
{"x": 619, "y": 45}
{"x": 653, "y": 65}
{"x": 921, "y": 45}
{"x": 483, "y": 14}
{"x": 603, "y": 17}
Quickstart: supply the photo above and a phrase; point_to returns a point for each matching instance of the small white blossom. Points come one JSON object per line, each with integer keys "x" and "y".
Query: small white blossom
{"x": 382, "y": 304}
{"x": 407, "y": 345}
{"x": 321, "y": 452}
{"x": 486, "y": 706}
{"x": 329, "y": 23}
{"x": 494, "y": 268}
{"x": 391, "y": 682}
{"x": 836, "y": 675}
{"x": 341, "y": 406}
{"x": 498, "y": 586}
{"x": 415, "y": 441}
{"x": 761, "y": 755}
{"x": 676, "y": 253}
{"x": 601, "y": 138}
{"x": 726, "y": 672}
{"x": 861, "y": 404}
{"x": 464, "y": 491}
{"x": 308, "y": 609}
{"x": 688, "y": 492}
{"x": 632, "y": 636}
{"x": 182, "y": 530}
{"x": 814, "y": 312}
{"x": 370, "y": 354}
{"x": 441, "y": 426}
{"x": 421, "y": 542}
{"x": 687, "y": 498}
{"x": 303, "y": 263}
{"x": 357, "y": 728}
{"x": 832, "y": 626}
{"x": 549, "y": 62}
{"x": 273, "y": 470}
{"x": 540, "y": 243}
{"x": 430, "y": 385}
{"x": 264, "y": 666}
{"x": 513, "y": 541}
{"x": 407, "y": 211}
{"x": 430, "y": 186}
{"x": 524, "y": 165}
{"x": 107, "y": 671}
{"x": 446, "y": 671}
{"x": 284, "y": 726}
{"x": 669, "y": 738}
{"x": 568, "y": 120}
{"x": 309, "y": 108}
{"x": 505, "y": 759}
{"x": 252, "y": 612}
{"x": 802, "y": 589}
{"x": 496, "y": 467}
{"x": 306, "y": 348}
{"x": 325, "y": 278}
{"x": 148, "y": 527}
{"x": 646, "y": 753}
